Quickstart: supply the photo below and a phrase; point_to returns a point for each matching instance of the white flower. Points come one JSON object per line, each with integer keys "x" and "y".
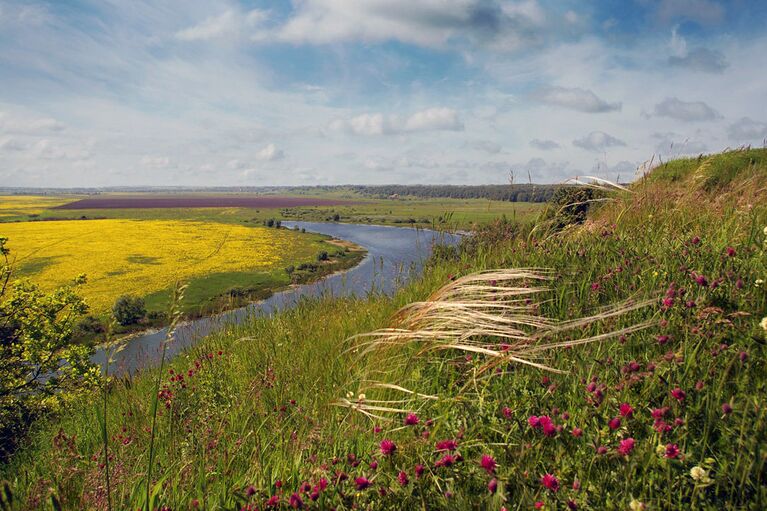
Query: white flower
{"x": 765, "y": 231}
{"x": 698, "y": 473}
{"x": 349, "y": 394}
{"x": 758, "y": 282}
{"x": 361, "y": 397}
{"x": 763, "y": 323}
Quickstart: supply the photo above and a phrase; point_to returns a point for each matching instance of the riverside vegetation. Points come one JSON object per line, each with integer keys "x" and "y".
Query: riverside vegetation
{"x": 609, "y": 359}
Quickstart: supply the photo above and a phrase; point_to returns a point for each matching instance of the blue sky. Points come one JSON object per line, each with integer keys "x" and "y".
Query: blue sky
{"x": 224, "y": 92}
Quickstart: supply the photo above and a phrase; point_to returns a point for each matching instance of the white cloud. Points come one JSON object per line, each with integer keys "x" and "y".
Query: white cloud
{"x": 228, "y": 23}
{"x": 575, "y": 98}
{"x": 432, "y": 119}
{"x": 156, "y": 162}
{"x": 270, "y": 153}
{"x": 598, "y": 141}
{"x": 688, "y": 111}
{"x": 746, "y": 130}
{"x": 431, "y": 23}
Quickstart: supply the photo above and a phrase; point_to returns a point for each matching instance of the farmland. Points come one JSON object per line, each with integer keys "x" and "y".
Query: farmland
{"x": 145, "y": 257}
{"x": 336, "y": 205}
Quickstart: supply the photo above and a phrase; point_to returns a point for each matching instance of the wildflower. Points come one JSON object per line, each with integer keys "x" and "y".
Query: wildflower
{"x": 701, "y": 280}
{"x": 699, "y": 474}
{"x": 507, "y": 411}
{"x": 411, "y": 419}
{"x": 626, "y": 446}
{"x": 659, "y": 413}
{"x": 447, "y": 445}
{"x": 250, "y": 491}
{"x": 662, "y": 339}
{"x": 322, "y": 484}
{"x": 278, "y": 484}
{"x": 448, "y": 460}
{"x": 743, "y": 356}
{"x": 549, "y": 481}
{"x": 726, "y": 408}
{"x": 626, "y": 410}
{"x": 577, "y": 432}
{"x": 572, "y": 505}
{"x": 534, "y": 422}
{"x": 296, "y": 502}
{"x": 695, "y": 240}
{"x": 538, "y": 504}
{"x": 402, "y": 478}
{"x": 763, "y": 323}
{"x": 576, "y": 485}
{"x": 274, "y": 501}
{"x": 362, "y": 482}
{"x": 635, "y": 505}
{"x": 376, "y": 429}
{"x": 671, "y": 451}
{"x": 373, "y": 464}
{"x": 730, "y": 252}
{"x": 699, "y": 385}
{"x": 549, "y": 429}
{"x": 492, "y": 486}
{"x": 418, "y": 471}
{"x": 614, "y": 423}
{"x": 601, "y": 450}
{"x": 488, "y": 463}
{"x": 678, "y": 394}
{"x": 387, "y": 447}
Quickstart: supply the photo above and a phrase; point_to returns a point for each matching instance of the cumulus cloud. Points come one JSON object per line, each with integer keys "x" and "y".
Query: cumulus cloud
{"x": 432, "y": 119}
{"x": 544, "y": 145}
{"x": 598, "y": 141}
{"x": 688, "y": 111}
{"x": 228, "y": 23}
{"x": 270, "y": 153}
{"x": 431, "y": 23}
{"x": 746, "y": 130}
{"x": 156, "y": 162}
{"x": 701, "y": 59}
{"x": 575, "y": 98}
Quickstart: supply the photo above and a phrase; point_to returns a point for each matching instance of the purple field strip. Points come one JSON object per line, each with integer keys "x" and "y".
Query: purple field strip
{"x": 201, "y": 202}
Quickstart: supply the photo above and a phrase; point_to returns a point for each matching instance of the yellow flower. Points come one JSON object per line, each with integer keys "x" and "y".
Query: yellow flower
{"x": 636, "y": 505}
{"x": 763, "y": 323}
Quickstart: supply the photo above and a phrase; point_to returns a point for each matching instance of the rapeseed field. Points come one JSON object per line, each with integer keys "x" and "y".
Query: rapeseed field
{"x": 144, "y": 256}
{"x": 24, "y": 205}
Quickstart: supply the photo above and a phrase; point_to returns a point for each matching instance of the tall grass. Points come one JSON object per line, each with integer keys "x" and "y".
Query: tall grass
{"x": 671, "y": 416}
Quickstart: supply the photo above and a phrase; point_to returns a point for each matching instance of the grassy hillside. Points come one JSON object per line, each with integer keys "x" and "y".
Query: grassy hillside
{"x": 663, "y": 408}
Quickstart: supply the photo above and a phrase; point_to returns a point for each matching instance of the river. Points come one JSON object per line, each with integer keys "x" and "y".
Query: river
{"x": 395, "y": 254}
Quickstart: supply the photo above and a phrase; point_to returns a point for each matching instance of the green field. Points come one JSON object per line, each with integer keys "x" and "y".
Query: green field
{"x": 407, "y": 211}
{"x": 663, "y": 408}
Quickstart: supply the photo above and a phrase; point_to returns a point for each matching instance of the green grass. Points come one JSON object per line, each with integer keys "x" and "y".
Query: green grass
{"x": 259, "y": 404}
{"x": 445, "y": 213}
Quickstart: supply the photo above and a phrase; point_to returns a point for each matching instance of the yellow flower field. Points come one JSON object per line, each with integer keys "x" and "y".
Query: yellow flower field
{"x": 22, "y": 205}
{"x": 143, "y": 256}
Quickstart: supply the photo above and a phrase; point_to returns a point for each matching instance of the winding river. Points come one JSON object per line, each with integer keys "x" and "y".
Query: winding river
{"x": 395, "y": 254}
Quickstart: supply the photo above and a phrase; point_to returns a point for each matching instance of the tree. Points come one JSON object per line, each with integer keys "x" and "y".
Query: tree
{"x": 128, "y": 310}
{"x": 40, "y": 368}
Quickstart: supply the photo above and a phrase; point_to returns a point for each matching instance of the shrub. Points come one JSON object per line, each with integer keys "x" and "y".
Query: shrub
{"x": 129, "y": 310}
{"x": 322, "y": 256}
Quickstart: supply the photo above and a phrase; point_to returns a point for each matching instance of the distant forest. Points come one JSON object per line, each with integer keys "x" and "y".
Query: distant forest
{"x": 511, "y": 193}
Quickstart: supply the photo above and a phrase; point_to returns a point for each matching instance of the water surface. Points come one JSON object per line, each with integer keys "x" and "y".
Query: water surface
{"x": 395, "y": 255}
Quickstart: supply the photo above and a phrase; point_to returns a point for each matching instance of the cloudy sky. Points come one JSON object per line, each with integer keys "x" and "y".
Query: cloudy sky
{"x": 261, "y": 92}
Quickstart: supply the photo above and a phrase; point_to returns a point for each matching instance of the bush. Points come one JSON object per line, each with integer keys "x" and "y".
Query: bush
{"x": 570, "y": 205}
{"x": 322, "y": 256}
{"x": 88, "y": 326}
{"x": 129, "y": 310}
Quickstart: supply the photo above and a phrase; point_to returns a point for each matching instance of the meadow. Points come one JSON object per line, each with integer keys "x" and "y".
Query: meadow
{"x": 614, "y": 364}
{"x": 145, "y": 257}
{"x": 443, "y": 213}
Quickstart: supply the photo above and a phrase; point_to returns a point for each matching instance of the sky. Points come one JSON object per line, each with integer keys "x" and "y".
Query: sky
{"x": 318, "y": 92}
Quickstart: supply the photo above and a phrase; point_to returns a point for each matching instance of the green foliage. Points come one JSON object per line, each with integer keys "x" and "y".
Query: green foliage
{"x": 570, "y": 205}
{"x": 129, "y": 310}
{"x": 322, "y": 256}
{"x": 40, "y": 369}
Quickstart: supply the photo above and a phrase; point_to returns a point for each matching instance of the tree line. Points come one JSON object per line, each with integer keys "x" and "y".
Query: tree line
{"x": 510, "y": 193}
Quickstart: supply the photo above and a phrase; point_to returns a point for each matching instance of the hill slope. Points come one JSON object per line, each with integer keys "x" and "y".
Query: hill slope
{"x": 665, "y": 409}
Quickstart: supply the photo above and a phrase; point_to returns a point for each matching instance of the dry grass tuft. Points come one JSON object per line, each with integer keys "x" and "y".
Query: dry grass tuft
{"x": 491, "y": 314}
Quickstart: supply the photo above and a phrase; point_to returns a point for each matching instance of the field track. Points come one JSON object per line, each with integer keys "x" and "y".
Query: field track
{"x": 201, "y": 202}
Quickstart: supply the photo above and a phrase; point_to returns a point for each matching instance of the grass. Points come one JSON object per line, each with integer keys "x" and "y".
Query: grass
{"x": 671, "y": 416}
{"x": 408, "y": 211}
